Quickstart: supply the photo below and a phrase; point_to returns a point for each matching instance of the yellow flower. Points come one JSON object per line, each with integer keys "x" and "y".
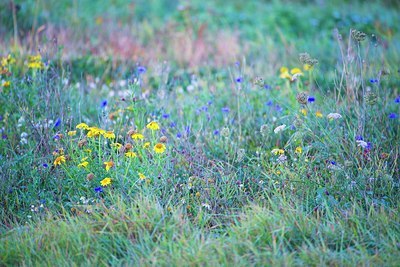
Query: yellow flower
{"x": 84, "y": 159}
{"x": 59, "y": 160}
{"x": 319, "y": 114}
{"x": 108, "y": 165}
{"x": 142, "y": 176}
{"x": 296, "y": 71}
{"x": 137, "y": 136}
{"x": 106, "y": 181}
{"x": 298, "y": 150}
{"x": 130, "y": 154}
{"x": 153, "y": 126}
{"x": 88, "y": 151}
{"x": 7, "y": 60}
{"x": 278, "y": 151}
{"x": 303, "y": 111}
{"x": 109, "y": 135}
{"x": 308, "y": 67}
{"x": 146, "y": 145}
{"x": 35, "y": 62}
{"x": 116, "y": 145}
{"x": 6, "y": 84}
{"x": 159, "y": 148}
{"x": 82, "y": 126}
{"x": 278, "y": 172}
{"x": 285, "y": 73}
{"x": 83, "y": 164}
{"x": 71, "y": 133}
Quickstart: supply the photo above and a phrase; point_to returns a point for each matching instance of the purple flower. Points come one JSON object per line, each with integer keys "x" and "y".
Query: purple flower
{"x": 204, "y": 108}
{"x": 397, "y": 100}
{"x": 239, "y": 79}
{"x": 98, "y": 189}
{"x": 333, "y": 162}
{"x": 369, "y": 145}
{"x": 187, "y": 130}
{"x": 104, "y": 103}
{"x": 269, "y": 103}
{"x": 1, "y": 118}
{"x": 216, "y": 132}
{"x": 359, "y": 137}
{"x": 45, "y": 165}
{"x": 311, "y": 99}
{"x": 172, "y": 125}
{"x": 57, "y": 123}
{"x": 209, "y": 103}
{"x": 373, "y": 80}
{"x": 179, "y": 135}
{"x": 56, "y": 137}
{"x": 266, "y": 86}
{"x": 237, "y": 64}
{"x": 225, "y": 109}
{"x": 4, "y": 136}
{"x": 165, "y": 116}
{"x": 392, "y": 116}
{"x": 278, "y": 108}
{"x": 141, "y": 69}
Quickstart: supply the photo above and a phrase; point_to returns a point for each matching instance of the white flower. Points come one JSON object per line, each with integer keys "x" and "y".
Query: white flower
{"x": 24, "y": 135}
{"x": 362, "y": 143}
{"x": 334, "y": 116}
{"x": 279, "y": 128}
{"x": 282, "y": 159}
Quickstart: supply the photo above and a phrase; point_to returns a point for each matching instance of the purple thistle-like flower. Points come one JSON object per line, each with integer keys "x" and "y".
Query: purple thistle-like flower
{"x": 392, "y": 116}
{"x": 239, "y": 79}
{"x": 311, "y": 99}
{"x": 98, "y": 189}
{"x": 141, "y": 70}
{"x": 104, "y": 103}
{"x": 57, "y": 123}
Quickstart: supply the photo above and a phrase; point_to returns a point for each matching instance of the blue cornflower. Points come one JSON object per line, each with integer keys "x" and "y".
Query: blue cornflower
{"x": 56, "y": 137}
{"x": 209, "y": 103}
{"x": 187, "y": 130}
{"x": 178, "y": 135}
{"x": 392, "y": 116}
{"x": 141, "y": 69}
{"x": 98, "y": 189}
{"x": 216, "y": 132}
{"x": 225, "y": 109}
{"x": 165, "y": 116}
{"x": 1, "y": 118}
{"x": 239, "y": 79}
{"x": 266, "y": 86}
{"x": 204, "y": 108}
{"x": 172, "y": 125}
{"x": 104, "y": 103}
{"x": 311, "y": 99}
{"x": 269, "y": 103}
{"x": 397, "y": 99}
{"x": 333, "y": 162}
{"x": 4, "y": 136}
{"x": 57, "y": 123}
{"x": 278, "y": 108}
{"x": 45, "y": 165}
{"x": 373, "y": 80}
{"x": 359, "y": 137}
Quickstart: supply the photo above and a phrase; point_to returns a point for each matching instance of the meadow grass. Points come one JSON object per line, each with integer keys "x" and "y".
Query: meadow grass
{"x": 177, "y": 134}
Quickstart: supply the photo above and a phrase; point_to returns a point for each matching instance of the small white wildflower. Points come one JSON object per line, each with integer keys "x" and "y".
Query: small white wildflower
{"x": 23, "y": 141}
{"x": 279, "y": 128}
{"x": 24, "y": 135}
{"x": 362, "y": 143}
{"x": 281, "y": 159}
{"x": 205, "y": 205}
{"x": 334, "y": 116}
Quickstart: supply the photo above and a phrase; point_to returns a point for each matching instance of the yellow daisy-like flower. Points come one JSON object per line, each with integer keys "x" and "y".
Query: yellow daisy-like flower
{"x": 142, "y": 176}
{"x": 130, "y": 154}
{"x": 303, "y": 111}
{"x": 319, "y": 114}
{"x": 35, "y": 62}
{"x": 116, "y": 145}
{"x": 59, "y": 160}
{"x": 71, "y": 133}
{"x": 6, "y": 84}
{"x": 137, "y": 136}
{"x": 83, "y": 164}
{"x": 146, "y": 145}
{"x": 106, "y": 181}
{"x": 278, "y": 151}
{"x": 82, "y": 126}
{"x": 284, "y": 73}
{"x": 298, "y": 150}
{"x": 108, "y": 165}
{"x": 159, "y": 148}
{"x": 153, "y": 126}
{"x": 109, "y": 135}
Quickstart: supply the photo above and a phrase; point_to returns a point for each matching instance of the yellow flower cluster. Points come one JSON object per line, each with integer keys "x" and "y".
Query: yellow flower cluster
{"x": 35, "y": 62}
